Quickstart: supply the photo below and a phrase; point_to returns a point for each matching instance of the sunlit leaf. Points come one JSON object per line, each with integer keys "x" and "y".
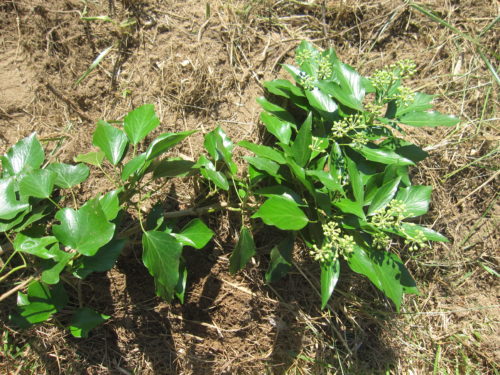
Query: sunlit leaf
{"x": 244, "y": 250}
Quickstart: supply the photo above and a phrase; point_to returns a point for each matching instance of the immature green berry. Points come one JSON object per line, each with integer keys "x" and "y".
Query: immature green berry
{"x": 303, "y": 56}
{"x": 325, "y": 68}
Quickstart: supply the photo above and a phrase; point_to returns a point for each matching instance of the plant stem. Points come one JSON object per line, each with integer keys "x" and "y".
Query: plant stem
{"x": 15, "y": 289}
{"x": 12, "y": 271}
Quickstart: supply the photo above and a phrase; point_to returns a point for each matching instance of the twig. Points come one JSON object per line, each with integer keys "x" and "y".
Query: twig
{"x": 478, "y": 188}
{"x": 15, "y": 289}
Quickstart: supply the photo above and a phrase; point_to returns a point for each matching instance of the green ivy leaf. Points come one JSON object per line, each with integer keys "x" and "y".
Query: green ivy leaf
{"x": 53, "y": 267}
{"x": 165, "y": 142}
{"x": 111, "y": 141}
{"x": 207, "y": 169}
{"x": 38, "y": 184}
{"x": 322, "y": 102}
{"x": 220, "y": 147}
{"x": 244, "y": 250}
{"x": 195, "y": 234}
{"x": 93, "y": 158}
{"x": 385, "y": 270}
{"x": 282, "y": 213}
{"x": 161, "y": 256}
{"x": 266, "y": 165}
{"x": 421, "y": 102}
{"x": 348, "y": 206}
{"x": 432, "y": 119}
{"x": 133, "y": 166}
{"x": 173, "y": 168}
{"x": 9, "y": 205}
{"x": 103, "y": 260}
{"x": 25, "y": 156}
{"x": 356, "y": 180}
{"x": 384, "y": 195}
{"x": 285, "y": 88}
{"x": 85, "y": 230}
{"x": 36, "y": 246}
{"x": 344, "y": 96}
{"x": 264, "y": 152}
{"x": 416, "y": 199}
{"x": 281, "y": 259}
{"x": 351, "y": 83}
{"x": 84, "y": 320}
{"x": 301, "y": 145}
{"x": 39, "y": 304}
{"x": 180, "y": 288}
{"x": 410, "y": 230}
{"x": 140, "y": 122}
{"x": 110, "y": 204}
{"x": 279, "y": 128}
{"x": 330, "y": 273}
{"x": 68, "y": 175}
{"x": 383, "y": 155}
{"x": 330, "y": 182}
{"x": 276, "y": 110}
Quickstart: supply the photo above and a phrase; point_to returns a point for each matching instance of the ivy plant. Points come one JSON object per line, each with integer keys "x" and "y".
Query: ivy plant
{"x": 336, "y": 174}
{"x": 60, "y": 240}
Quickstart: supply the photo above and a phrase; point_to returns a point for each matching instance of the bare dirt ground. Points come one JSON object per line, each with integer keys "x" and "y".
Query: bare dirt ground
{"x": 203, "y": 64}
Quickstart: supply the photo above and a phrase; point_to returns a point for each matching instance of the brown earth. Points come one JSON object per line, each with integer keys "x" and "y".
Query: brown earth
{"x": 203, "y": 64}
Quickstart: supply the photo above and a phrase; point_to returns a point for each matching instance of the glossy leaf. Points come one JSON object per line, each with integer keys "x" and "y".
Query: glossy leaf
{"x": 432, "y": 119}
{"x": 161, "y": 256}
{"x": 281, "y": 259}
{"x": 384, "y": 195}
{"x": 244, "y": 250}
{"x": 279, "y": 128}
{"x": 285, "y": 88}
{"x": 36, "y": 246}
{"x": 39, "y": 304}
{"x": 301, "y": 145}
{"x": 53, "y": 267}
{"x": 85, "y": 230}
{"x": 416, "y": 199}
{"x": 111, "y": 141}
{"x": 282, "y": 213}
{"x": 165, "y": 142}
{"x": 348, "y": 206}
{"x": 330, "y": 182}
{"x": 207, "y": 169}
{"x": 266, "y": 165}
{"x": 410, "y": 230}
{"x": 350, "y": 83}
{"x": 321, "y": 101}
{"x": 344, "y": 96}
{"x": 383, "y": 155}
{"x": 180, "y": 288}
{"x": 38, "y": 184}
{"x": 140, "y": 122}
{"x": 135, "y": 165}
{"x": 93, "y": 158}
{"x": 221, "y": 147}
{"x": 173, "y": 168}
{"x": 264, "y": 151}
{"x": 9, "y": 205}
{"x": 68, "y": 175}
{"x": 276, "y": 110}
{"x": 421, "y": 102}
{"x": 329, "y": 277}
{"x": 195, "y": 234}
{"x": 356, "y": 180}
{"x": 385, "y": 270}
{"x": 84, "y": 320}
{"x": 103, "y": 260}
{"x": 25, "y": 156}
{"x": 110, "y": 204}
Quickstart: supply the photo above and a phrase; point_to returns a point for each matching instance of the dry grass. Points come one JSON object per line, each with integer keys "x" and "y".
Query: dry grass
{"x": 202, "y": 66}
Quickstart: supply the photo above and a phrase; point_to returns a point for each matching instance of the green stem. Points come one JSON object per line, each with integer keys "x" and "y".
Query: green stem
{"x": 15, "y": 269}
{"x": 54, "y": 203}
